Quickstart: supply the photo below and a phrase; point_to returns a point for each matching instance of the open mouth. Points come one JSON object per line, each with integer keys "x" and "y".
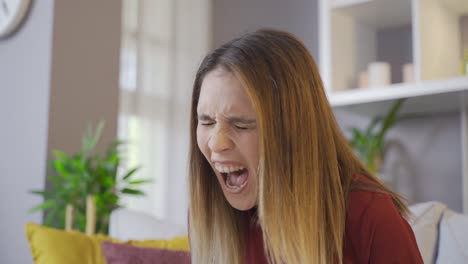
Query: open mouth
{"x": 235, "y": 181}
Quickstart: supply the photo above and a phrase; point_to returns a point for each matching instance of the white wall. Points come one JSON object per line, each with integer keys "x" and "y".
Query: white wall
{"x": 422, "y": 157}
{"x": 25, "y": 60}
{"x": 59, "y": 71}
{"x": 300, "y": 17}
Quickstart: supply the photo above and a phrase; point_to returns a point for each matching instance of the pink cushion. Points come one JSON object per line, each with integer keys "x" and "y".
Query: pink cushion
{"x": 127, "y": 254}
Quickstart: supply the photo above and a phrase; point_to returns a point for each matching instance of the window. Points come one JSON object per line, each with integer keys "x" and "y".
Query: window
{"x": 163, "y": 43}
{"x": 145, "y": 95}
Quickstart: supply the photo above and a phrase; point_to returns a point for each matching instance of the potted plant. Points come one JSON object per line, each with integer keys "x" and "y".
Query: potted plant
{"x": 369, "y": 142}
{"x": 87, "y": 183}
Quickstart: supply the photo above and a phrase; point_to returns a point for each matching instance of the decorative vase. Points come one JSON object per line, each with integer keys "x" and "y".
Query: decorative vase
{"x": 378, "y": 74}
{"x": 408, "y": 73}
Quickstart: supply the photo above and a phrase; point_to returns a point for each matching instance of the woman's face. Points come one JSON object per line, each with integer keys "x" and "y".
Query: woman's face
{"x": 227, "y": 136}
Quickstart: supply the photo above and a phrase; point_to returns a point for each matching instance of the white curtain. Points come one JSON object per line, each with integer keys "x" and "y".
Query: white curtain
{"x": 163, "y": 42}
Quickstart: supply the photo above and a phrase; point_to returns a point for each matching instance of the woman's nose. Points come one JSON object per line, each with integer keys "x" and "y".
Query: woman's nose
{"x": 220, "y": 141}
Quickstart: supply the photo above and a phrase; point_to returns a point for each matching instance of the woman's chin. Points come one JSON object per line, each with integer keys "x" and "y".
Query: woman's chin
{"x": 241, "y": 204}
{"x": 241, "y": 207}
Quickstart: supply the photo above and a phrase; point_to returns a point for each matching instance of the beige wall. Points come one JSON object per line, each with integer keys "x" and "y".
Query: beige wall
{"x": 85, "y": 70}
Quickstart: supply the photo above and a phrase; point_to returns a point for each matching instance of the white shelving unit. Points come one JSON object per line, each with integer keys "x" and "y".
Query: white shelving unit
{"x": 426, "y": 33}
{"x": 424, "y": 97}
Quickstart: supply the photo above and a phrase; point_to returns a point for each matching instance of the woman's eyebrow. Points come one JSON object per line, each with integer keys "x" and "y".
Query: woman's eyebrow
{"x": 232, "y": 119}
{"x": 204, "y": 117}
{"x": 240, "y": 119}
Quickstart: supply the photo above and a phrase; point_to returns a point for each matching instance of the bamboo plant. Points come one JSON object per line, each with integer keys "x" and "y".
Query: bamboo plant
{"x": 369, "y": 142}
{"x": 87, "y": 176}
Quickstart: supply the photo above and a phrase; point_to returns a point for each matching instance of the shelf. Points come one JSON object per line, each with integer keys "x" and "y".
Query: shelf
{"x": 429, "y": 34}
{"x": 377, "y": 13}
{"x": 431, "y": 38}
{"x": 371, "y": 33}
{"x": 425, "y": 97}
{"x": 348, "y": 3}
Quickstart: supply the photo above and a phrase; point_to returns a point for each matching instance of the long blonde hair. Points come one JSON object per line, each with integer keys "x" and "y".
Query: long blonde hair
{"x": 306, "y": 165}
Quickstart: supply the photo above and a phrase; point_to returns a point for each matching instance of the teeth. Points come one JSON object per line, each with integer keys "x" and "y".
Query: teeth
{"x": 227, "y": 169}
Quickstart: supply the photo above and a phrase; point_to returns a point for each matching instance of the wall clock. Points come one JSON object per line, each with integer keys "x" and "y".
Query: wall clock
{"x": 12, "y": 14}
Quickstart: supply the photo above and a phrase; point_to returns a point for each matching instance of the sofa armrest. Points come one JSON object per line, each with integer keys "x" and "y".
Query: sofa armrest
{"x": 425, "y": 224}
{"x": 453, "y": 238}
{"x": 127, "y": 224}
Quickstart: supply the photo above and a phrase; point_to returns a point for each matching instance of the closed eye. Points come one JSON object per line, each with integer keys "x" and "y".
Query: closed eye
{"x": 241, "y": 127}
{"x": 205, "y": 120}
{"x": 207, "y": 123}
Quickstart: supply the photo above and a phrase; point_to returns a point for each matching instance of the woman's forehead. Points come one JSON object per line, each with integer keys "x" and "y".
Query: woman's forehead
{"x": 222, "y": 92}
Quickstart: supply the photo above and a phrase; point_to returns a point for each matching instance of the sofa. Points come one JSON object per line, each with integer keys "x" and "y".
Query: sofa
{"x": 441, "y": 234}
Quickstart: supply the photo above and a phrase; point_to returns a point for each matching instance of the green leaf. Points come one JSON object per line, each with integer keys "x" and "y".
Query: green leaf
{"x": 45, "y": 205}
{"x": 59, "y": 167}
{"x": 390, "y": 118}
{"x": 130, "y": 173}
{"x": 53, "y": 214}
{"x": 110, "y": 198}
{"x": 91, "y": 138}
{"x": 376, "y": 120}
{"x": 113, "y": 147}
{"x": 355, "y": 138}
{"x": 59, "y": 155}
{"x": 107, "y": 181}
{"x": 368, "y": 144}
{"x": 132, "y": 191}
{"x": 136, "y": 182}
{"x": 42, "y": 193}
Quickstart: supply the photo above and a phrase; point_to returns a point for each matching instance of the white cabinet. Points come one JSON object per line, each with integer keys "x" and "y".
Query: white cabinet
{"x": 431, "y": 35}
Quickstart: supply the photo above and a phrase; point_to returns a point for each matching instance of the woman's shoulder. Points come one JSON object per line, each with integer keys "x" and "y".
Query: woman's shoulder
{"x": 369, "y": 204}
{"x": 367, "y": 200}
{"x": 375, "y": 229}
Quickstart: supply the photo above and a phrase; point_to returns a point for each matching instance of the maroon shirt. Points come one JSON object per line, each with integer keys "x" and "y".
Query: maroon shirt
{"x": 375, "y": 233}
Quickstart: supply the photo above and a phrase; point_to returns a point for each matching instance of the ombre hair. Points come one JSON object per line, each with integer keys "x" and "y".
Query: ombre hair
{"x": 306, "y": 166}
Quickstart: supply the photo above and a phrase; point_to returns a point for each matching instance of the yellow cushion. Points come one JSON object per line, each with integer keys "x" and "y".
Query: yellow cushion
{"x": 53, "y": 246}
{"x": 178, "y": 243}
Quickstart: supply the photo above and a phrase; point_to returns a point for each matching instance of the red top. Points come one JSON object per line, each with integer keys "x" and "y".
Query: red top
{"x": 375, "y": 233}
